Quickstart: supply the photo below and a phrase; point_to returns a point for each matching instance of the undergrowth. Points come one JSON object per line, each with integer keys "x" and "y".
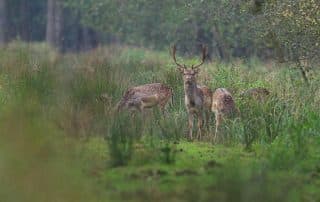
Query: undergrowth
{"x": 48, "y": 99}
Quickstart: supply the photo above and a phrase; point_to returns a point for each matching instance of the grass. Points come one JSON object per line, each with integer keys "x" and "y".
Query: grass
{"x": 204, "y": 173}
{"x": 59, "y": 137}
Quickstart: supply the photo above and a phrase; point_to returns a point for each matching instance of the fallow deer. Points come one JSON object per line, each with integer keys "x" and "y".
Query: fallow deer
{"x": 145, "y": 96}
{"x": 223, "y": 106}
{"x": 197, "y": 98}
{"x": 260, "y": 94}
{"x": 207, "y": 92}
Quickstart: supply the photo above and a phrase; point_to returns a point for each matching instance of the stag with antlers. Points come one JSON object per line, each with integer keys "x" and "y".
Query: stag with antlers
{"x": 197, "y": 98}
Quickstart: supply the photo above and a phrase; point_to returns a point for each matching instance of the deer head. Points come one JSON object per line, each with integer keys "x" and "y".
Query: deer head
{"x": 189, "y": 73}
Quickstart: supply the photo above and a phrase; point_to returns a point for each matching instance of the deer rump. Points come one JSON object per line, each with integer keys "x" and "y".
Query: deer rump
{"x": 222, "y": 102}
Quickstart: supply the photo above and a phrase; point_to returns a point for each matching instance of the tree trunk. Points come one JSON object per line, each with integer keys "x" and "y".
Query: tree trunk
{"x": 54, "y": 24}
{"x": 204, "y": 39}
{"x": 86, "y": 39}
{"x": 221, "y": 46}
{"x": 58, "y": 24}
{"x": 25, "y": 20}
{"x": 3, "y": 22}
{"x": 50, "y": 22}
{"x": 89, "y": 39}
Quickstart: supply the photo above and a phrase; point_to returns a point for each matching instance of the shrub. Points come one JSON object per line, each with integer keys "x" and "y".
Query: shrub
{"x": 124, "y": 131}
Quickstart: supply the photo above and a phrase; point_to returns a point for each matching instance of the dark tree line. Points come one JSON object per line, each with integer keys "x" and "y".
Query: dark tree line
{"x": 287, "y": 30}
{"x": 3, "y": 21}
{"x": 49, "y": 21}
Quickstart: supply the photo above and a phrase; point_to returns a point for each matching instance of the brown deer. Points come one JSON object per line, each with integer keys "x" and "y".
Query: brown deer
{"x": 146, "y": 96}
{"x": 223, "y": 106}
{"x": 197, "y": 98}
{"x": 207, "y": 92}
{"x": 260, "y": 94}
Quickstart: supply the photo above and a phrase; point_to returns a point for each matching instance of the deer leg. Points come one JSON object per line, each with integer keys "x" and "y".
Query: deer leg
{"x": 207, "y": 117}
{"x": 218, "y": 122}
{"x": 190, "y": 116}
{"x": 200, "y": 125}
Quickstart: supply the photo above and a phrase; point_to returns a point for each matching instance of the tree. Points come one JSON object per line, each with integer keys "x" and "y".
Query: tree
{"x": 137, "y": 22}
{"x": 54, "y": 23}
{"x": 25, "y": 22}
{"x": 220, "y": 24}
{"x": 294, "y": 29}
{"x": 3, "y": 20}
{"x": 88, "y": 39}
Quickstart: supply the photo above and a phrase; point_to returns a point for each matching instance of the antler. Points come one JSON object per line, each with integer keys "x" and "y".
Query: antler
{"x": 174, "y": 56}
{"x": 204, "y": 54}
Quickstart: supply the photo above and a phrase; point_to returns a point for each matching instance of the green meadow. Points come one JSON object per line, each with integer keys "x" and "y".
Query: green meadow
{"x": 61, "y": 142}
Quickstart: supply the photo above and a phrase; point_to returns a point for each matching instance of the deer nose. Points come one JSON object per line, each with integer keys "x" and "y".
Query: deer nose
{"x": 188, "y": 81}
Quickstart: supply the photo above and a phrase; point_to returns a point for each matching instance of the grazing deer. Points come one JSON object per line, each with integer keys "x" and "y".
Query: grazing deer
{"x": 197, "y": 98}
{"x": 145, "y": 96}
{"x": 259, "y": 93}
{"x": 222, "y": 105}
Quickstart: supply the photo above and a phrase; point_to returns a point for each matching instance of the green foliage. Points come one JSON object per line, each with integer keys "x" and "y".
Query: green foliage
{"x": 220, "y": 24}
{"x": 59, "y": 134}
{"x": 286, "y": 29}
{"x": 294, "y": 25}
{"x": 38, "y": 164}
{"x": 124, "y": 131}
{"x": 4, "y": 89}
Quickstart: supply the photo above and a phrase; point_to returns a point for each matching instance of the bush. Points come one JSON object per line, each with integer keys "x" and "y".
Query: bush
{"x": 123, "y": 133}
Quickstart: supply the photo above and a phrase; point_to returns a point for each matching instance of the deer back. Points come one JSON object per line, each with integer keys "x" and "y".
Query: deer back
{"x": 149, "y": 94}
{"x": 259, "y": 94}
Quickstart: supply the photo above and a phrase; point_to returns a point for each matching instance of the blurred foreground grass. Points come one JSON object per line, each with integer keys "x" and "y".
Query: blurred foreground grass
{"x": 37, "y": 162}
